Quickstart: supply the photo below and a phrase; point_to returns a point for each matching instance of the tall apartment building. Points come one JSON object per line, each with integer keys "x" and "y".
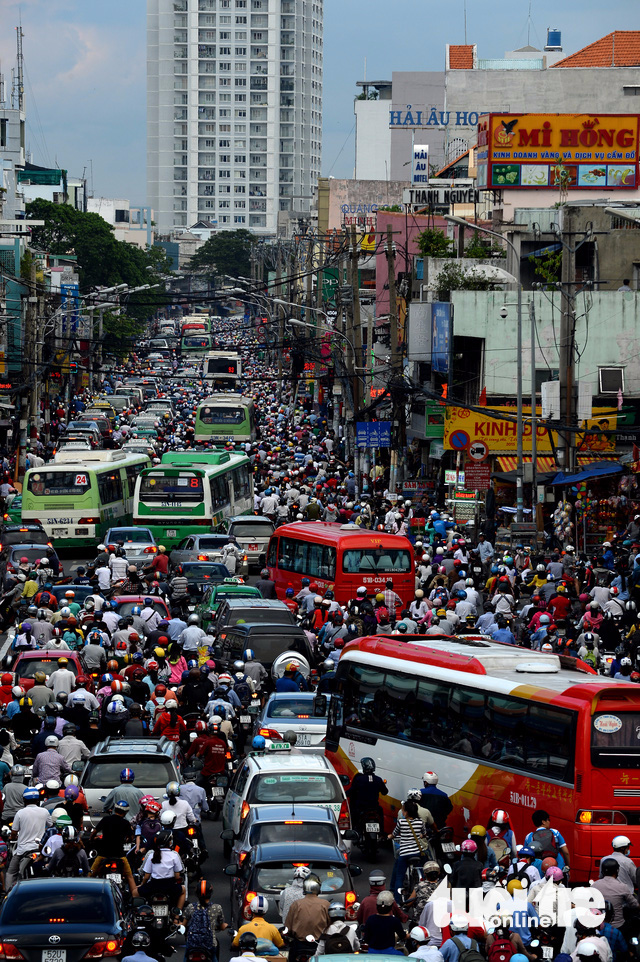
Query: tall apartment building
{"x": 234, "y": 110}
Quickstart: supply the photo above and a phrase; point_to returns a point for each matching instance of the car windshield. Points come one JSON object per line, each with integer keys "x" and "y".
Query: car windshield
{"x": 275, "y": 876}
{"x": 26, "y": 906}
{"x": 193, "y": 571}
{"x": 216, "y": 541}
{"x": 261, "y": 616}
{"x": 277, "y": 787}
{"x": 150, "y": 772}
{"x": 267, "y": 647}
{"x": 296, "y": 708}
{"x": 33, "y": 554}
{"x": 381, "y": 560}
{"x": 81, "y": 591}
{"x": 28, "y": 667}
{"x": 244, "y": 530}
{"x": 294, "y": 830}
{"x": 131, "y": 535}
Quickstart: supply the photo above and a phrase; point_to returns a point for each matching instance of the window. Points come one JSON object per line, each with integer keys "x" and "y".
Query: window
{"x": 57, "y": 483}
{"x": 219, "y": 491}
{"x": 170, "y": 488}
{"x": 611, "y": 380}
{"x": 506, "y": 732}
{"x": 314, "y": 560}
{"x": 239, "y": 220}
{"x": 241, "y": 483}
{"x": 110, "y": 487}
{"x": 224, "y": 52}
{"x": 381, "y": 560}
{"x": 132, "y": 476}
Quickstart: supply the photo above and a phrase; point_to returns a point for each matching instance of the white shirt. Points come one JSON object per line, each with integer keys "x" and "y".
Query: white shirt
{"x": 104, "y": 577}
{"x": 182, "y": 810}
{"x": 62, "y": 679}
{"x": 170, "y": 863}
{"x": 30, "y": 823}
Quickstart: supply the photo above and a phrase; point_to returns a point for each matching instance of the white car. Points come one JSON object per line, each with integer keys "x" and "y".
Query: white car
{"x": 252, "y": 533}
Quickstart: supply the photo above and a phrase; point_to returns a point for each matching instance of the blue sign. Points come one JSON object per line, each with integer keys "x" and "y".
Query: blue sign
{"x": 70, "y": 304}
{"x": 373, "y": 434}
{"x": 440, "y": 324}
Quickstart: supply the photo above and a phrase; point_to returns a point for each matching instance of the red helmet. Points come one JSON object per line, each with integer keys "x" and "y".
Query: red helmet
{"x": 500, "y": 816}
{"x": 7, "y": 678}
{"x": 116, "y": 686}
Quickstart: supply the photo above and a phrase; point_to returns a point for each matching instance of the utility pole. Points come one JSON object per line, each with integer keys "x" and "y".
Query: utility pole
{"x": 280, "y": 344}
{"x": 394, "y": 350}
{"x": 566, "y": 351}
{"x": 534, "y": 420}
{"x": 356, "y": 333}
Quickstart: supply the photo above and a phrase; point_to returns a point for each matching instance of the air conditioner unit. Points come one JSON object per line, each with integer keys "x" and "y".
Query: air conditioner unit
{"x": 611, "y": 380}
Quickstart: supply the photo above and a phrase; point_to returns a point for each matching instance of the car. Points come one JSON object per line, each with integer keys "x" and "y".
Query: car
{"x": 204, "y": 547}
{"x": 267, "y": 611}
{"x": 62, "y": 920}
{"x": 72, "y": 446}
{"x": 138, "y": 542}
{"x": 100, "y": 420}
{"x": 278, "y": 823}
{"x": 81, "y": 592}
{"x": 282, "y": 775}
{"x": 90, "y": 428}
{"x": 268, "y": 869}
{"x": 216, "y": 594}
{"x": 13, "y": 509}
{"x": 124, "y": 604}
{"x": 31, "y": 532}
{"x": 252, "y": 534}
{"x": 140, "y": 446}
{"x": 154, "y": 761}
{"x": 29, "y": 662}
{"x": 32, "y": 551}
{"x": 268, "y": 641}
{"x": 200, "y": 574}
{"x": 304, "y": 713}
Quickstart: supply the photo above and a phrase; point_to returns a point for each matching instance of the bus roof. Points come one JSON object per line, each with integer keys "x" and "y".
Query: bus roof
{"x": 90, "y": 458}
{"x": 226, "y": 397}
{"x": 332, "y": 531}
{"x": 195, "y": 457}
{"x": 478, "y": 655}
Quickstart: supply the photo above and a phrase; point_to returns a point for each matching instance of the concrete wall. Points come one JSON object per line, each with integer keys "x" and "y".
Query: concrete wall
{"x": 373, "y": 140}
{"x": 421, "y": 90}
{"x": 606, "y": 335}
{"x": 355, "y": 202}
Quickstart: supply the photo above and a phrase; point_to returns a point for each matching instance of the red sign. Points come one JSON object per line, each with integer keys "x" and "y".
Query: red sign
{"x": 477, "y": 475}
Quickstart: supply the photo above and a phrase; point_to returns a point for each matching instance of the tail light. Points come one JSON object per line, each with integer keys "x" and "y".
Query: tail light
{"x": 242, "y": 856}
{"x": 248, "y": 899}
{"x": 9, "y": 951}
{"x": 344, "y": 818}
{"x": 350, "y": 899}
{"x": 269, "y": 733}
{"x": 202, "y": 557}
{"x": 244, "y": 811}
{"x": 105, "y": 948}
{"x": 191, "y": 830}
{"x": 88, "y": 521}
{"x": 150, "y": 549}
{"x": 586, "y": 817}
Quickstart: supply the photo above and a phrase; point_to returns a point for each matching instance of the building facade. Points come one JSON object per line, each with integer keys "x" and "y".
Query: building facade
{"x": 234, "y": 110}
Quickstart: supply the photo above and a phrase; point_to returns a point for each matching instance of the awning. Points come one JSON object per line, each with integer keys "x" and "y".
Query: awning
{"x": 543, "y": 464}
{"x": 597, "y": 469}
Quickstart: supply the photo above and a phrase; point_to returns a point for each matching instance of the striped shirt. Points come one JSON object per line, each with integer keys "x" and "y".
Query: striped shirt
{"x": 407, "y": 833}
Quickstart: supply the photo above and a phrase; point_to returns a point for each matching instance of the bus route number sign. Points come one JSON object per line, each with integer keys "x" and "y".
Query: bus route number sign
{"x": 81, "y": 480}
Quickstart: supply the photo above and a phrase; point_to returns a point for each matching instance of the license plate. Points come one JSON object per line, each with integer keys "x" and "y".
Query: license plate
{"x": 303, "y": 741}
{"x": 115, "y": 877}
{"x": 217, "y": 792}
{"x": 58, "y": 533}
{"x": 245, "y": 719}
{"x": 159, "y": 910}
{"x": 372, "y": 827}
{"x": 54, "y": 955}
{"x": 172, "y": 532}
{"x": 448, "y": 847}
{"x": 547, "y": 951}
{"x": 253, "y": 547}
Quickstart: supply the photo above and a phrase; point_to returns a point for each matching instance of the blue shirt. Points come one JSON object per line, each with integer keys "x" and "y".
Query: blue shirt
{"x": 175, "y": 628}
{"x": 286, "y": 684}
{"x": 450, "y": 951}
{"x": 503, "y": 634}
{"x": 559, "y": 842}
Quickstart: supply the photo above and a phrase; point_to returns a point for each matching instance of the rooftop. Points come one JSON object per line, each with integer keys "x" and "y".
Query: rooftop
{"x": 618, "y": 49}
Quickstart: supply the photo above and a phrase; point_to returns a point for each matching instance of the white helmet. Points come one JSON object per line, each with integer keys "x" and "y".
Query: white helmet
{"x": 167, "y": 818}
{"x": 419, "y": 934}
{"x": 430, "y": 778}
{"x": 301, "y": 871}
{"x": 620, "y": 842}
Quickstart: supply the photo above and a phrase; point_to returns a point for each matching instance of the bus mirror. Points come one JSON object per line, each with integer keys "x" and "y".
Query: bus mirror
{"x": 345, "y": 779}
{"x": 320, "y": 706}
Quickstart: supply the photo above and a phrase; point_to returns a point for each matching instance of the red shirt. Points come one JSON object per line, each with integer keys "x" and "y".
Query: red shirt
{"x": 164, "y": 726}
{"x": 5, "y": 694}
{"x": 160, "y": 563}
{"x": 214, "y": 752}
{"x": 561, "y": 606}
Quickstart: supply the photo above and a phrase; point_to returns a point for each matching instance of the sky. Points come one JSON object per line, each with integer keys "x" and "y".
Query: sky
{"x": 86, "y": 74}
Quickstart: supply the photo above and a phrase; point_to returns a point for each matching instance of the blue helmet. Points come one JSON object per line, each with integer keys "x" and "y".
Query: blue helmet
{"x": 127, "y": 775}
{"x": 192, "y": 663}
{"x": 31, "y": 795}
{"x": 258, "y": 744}
{"x": 462, "y": 595}
{"x": 135, "y": 610}
{"x": 148, "y": 601}
{"x": 248, "y": 654}
{"x": 184, "y": 677}
{"x": 121, "y": 805}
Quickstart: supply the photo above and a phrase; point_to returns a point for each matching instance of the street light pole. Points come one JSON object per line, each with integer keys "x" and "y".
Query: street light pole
{"x": 461, "y": 222}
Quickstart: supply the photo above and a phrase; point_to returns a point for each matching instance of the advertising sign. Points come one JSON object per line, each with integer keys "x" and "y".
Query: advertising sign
{"x": 585, "y": 151}
{"x": 477, "y": 475}
{"x": 440, "y": 324}
{"x": 463, "y": 428}
{"x": 420, "y": 165}
{"x": 439, "y": 196}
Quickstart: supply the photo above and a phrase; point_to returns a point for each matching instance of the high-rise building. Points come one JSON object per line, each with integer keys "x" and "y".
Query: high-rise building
{"x": 234, "y": 110}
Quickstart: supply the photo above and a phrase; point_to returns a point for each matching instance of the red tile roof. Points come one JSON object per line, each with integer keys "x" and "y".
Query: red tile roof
{"x": 461, "y": 56}
{"x": 618, "y": 49}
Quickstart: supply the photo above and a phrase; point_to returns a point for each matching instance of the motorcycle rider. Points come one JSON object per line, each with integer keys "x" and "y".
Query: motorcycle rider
{"x": 27, "y": 829}
{"x": 308, "y": 916}
{"x": 364, "y": 794}
{"x": 258, "y": 926}
{"x": 70, "y": 858}
{"x": 435, "y": 800}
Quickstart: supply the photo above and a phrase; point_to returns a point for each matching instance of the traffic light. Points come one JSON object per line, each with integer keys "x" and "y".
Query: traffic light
{"x": 73, "y": 367}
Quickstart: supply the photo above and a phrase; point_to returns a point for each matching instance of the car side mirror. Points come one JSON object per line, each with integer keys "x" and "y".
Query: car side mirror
{"x": 77, "y": 767}
{"x": 447, "y": 868}
{"x": 355, "y": 870}
{"x": 228, "y": 835}
{"x": 230, "y": 870}
{"x": 350, "y": 835}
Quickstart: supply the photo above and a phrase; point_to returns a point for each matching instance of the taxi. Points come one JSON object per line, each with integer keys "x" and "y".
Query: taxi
{"x": 282, "y": 775}
{"x": 216, "y": 594}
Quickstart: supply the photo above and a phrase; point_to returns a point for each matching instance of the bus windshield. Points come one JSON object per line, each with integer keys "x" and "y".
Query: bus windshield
{"x": 222, "y": 365}
{"x": 159, "y": 487}
{"x": 381, "y": 560}
{"x": 195, "y": 340}
{"x": 222, "y": 415}
{"x": 74, "y": 481}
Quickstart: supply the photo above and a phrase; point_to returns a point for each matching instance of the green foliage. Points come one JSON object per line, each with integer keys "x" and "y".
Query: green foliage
{"x": 25, "y": 265}
{"x": 393, "y": 209}
{"x": 549, "y": 267}
{"x": 453, "y": 277}
{"x": 227, "y": 252}
{"x": 433, "y": 242}
{"x": 476, "y": 249}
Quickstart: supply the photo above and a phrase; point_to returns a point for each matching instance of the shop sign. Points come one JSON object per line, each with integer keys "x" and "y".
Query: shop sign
{"x": 454, "y": 477}
{"x": 440, "y": 196}
{"x": 463, "y": 427}
{"x": 410, "y": 117}
{"x": 420, "y": 165}
{"x": 541, "y": 151}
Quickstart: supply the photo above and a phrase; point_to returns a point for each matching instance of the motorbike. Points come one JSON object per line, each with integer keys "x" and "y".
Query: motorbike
{"x": 193, "y": 857}
{"x": 219, "y": 785}
{"x": 370, "y": 833}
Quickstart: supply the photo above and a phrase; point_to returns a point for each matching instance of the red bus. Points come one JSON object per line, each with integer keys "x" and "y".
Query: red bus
{"x": 341, "y": 557}
{"x": 504, "y": 728}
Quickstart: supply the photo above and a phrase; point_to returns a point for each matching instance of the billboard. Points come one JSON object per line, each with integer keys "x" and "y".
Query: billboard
{"x": 463, "y": 427}
{"x": 440, "y": 328}
{"x": 572, "y": 151}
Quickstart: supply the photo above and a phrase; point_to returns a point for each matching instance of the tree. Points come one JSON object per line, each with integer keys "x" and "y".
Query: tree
{"x": 433, "y": 242}
{"x": 227, "y": 252}
{"x": 452, "y": 277}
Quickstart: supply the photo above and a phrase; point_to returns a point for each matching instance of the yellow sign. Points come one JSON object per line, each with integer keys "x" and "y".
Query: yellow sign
{"x": 463, "y": 427}
{"x": 560, "y": 150}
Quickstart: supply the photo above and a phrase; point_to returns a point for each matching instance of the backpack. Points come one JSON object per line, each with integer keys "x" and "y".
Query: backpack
{"x": 338, "y": 943}
{"x": 501, "y": 950}
{"x": 499, "y": 848}
{"x": 547, "y": 839}
{"x": 470, "y": 954}
{"x": 243, "y": 691}
{"x": 591, "y": 659}
{"x": 199, "y": 933}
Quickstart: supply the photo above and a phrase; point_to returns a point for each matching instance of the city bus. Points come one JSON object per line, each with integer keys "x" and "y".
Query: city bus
{"x": 191, "y": 492}
{"x": 224, "y": 368}
{"x": 504, "y": 728}
{"x": 341, "y": 557}
{"x": 80, "y": 496}
{"x": 195, "y": 345}
{"x": 224, "y": 417}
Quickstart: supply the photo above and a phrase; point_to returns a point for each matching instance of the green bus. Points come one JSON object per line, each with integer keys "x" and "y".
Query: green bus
{"x": 191, "y": 492}
{"x": 196, "y": 345}
{"x": 79, "y": 497}
{"x": 224, "y": 417}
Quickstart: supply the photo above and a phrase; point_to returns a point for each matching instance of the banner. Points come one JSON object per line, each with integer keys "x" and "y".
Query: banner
{"x": 462, "y": 427}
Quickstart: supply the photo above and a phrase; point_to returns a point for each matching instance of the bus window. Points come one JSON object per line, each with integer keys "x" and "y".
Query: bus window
{"x": 548, "y": 740}
{"x": 303, "y": 557}
{"x": 132, "y": 476}
{"x": 272, "y": 556}
{"x": 110, "y": 487}
{"x": 378, "y": 560}
{"x": 168, "y": 487}
{"x": 75, "y": 481}
{"x": 241, "y": 485}
{"x": 219, "y": 491}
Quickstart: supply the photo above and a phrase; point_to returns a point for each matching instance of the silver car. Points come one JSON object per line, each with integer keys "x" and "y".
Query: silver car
{"x": 139, "y": 544}
{"x": 252, "y": 534}
{"x": 304, "y": 713}
{"x": 205, "y": 547}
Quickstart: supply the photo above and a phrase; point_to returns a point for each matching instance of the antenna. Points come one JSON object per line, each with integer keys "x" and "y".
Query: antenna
{"x": 20, "y": 63}
{"x": 529, "y": 25}
{"x": 465, "y": 21}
